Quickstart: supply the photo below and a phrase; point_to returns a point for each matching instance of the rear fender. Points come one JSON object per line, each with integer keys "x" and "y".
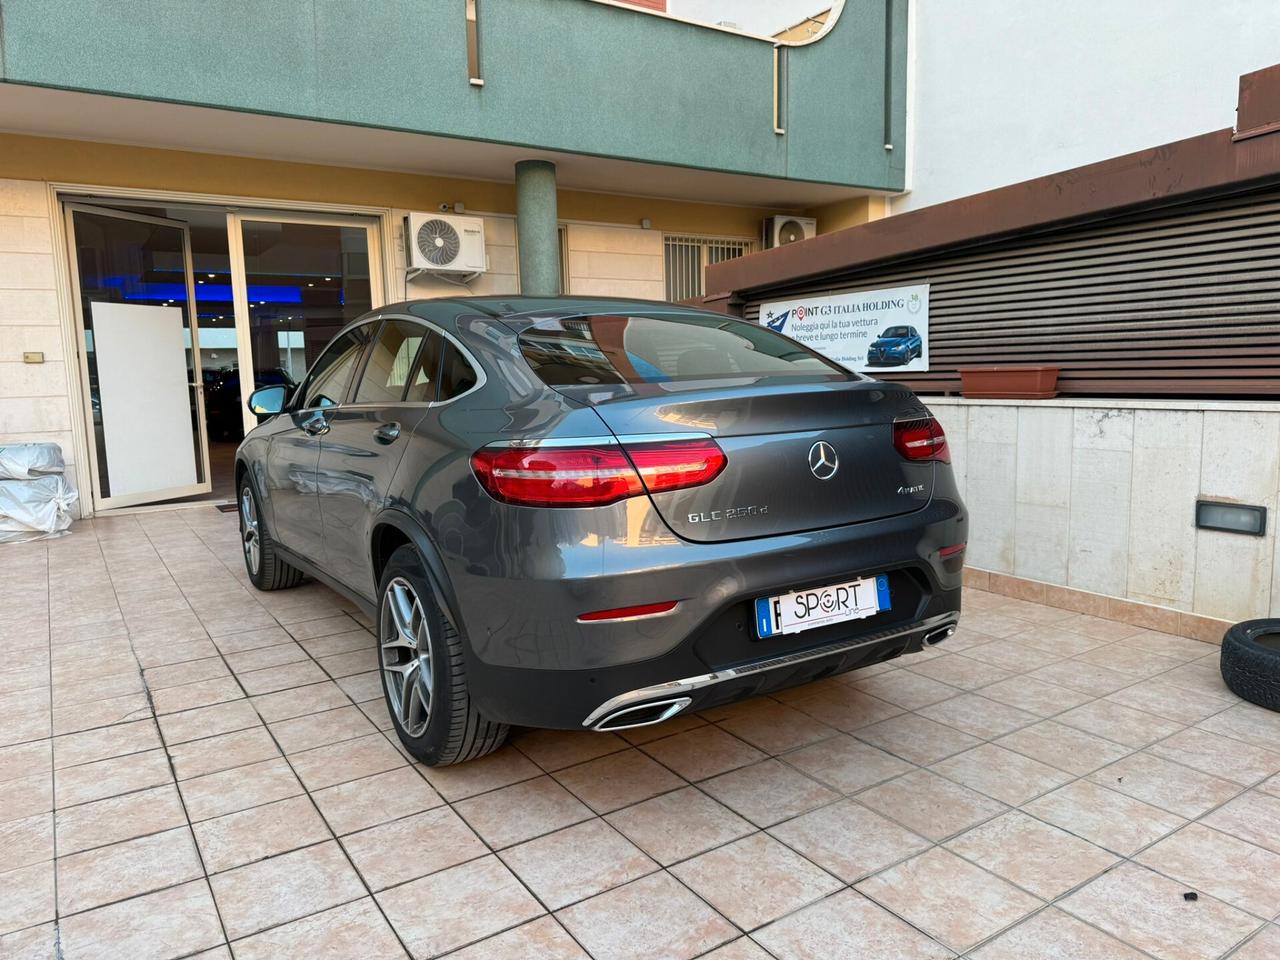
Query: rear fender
{"x": 441, "y": 586}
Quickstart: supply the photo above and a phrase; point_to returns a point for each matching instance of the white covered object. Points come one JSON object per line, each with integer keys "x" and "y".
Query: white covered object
{"x": 35, "y": 509}
{"x": 24, "y": 461}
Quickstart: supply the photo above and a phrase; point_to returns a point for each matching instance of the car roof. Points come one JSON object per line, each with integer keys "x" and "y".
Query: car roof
{"x": 520, "y": 312}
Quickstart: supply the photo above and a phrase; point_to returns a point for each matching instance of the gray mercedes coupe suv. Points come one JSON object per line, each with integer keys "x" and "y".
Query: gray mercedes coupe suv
{"x": 598, "y": 514}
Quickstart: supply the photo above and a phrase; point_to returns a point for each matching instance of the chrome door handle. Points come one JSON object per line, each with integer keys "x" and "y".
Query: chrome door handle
{"x": 315, "y": 426}
{"x": 387, "y": 433}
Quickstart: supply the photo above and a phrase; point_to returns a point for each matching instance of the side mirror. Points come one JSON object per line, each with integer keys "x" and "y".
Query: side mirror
{"x": 268, "y": 401}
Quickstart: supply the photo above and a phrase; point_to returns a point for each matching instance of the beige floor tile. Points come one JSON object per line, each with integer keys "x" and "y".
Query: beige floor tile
{"x": 957, "y": 670}
{"x": 33, "y": 943}
{"x": 1063, "y": 747}
{"x": 1059, "y": 639}
{"x": 556, "y": 749}
{"x": 1168, "y": 645}
{"x": 768, "y": 792}
{"x": 26, "y": 796}
{"x": 300, "y": 701}
{"x": 1109, "y": 819}
{"x": 978, "y": 716}
{"x": 377, "y": 799}
{"x": 319, "y": 729}
{"x": 1013, "y": 656}
{"x": 949, "y": 898}
{"x": 916, "y": 739}
{"x": 100, "y": 713}
{"x": 105, "y": 743}
{"x": 169, "y": 923}
{"x": 23, "y": 760}
{"x": 457, "y": 907}
{"x": 361, "y": 686}
{"x": 576, "y": 863}
{"x": 1171, "y": 702}
{"x": 1252, "y": 816}
{"x": 324, "y": 627}
{"x": 668, "y": 728}
{"x": 355, "y": 929}
{"x": 248, "y": 835}
{"x": 652, "y": 917}
{"x": 226, "y": 751}
{"x": 325, "y": 766}
{"x": 702, "y": 752}
{"x": 1236, "y": 872}
{"x": 1265, "y": 945}
{"x": 679, "y": 825}
{"x": 238, "y": 789}
{"x": 286, "y": 677}
{"x": 1035, "y": 696}
{"x": 1002, "y": 774}
{"x": 413, "y": 847}
{"x": 109, "y": 778}
{"x": 1165, "y": 784}
{"x": 261, "y": 658}
{"x": 1148, "y": 911}
{"x": 775, "y": 727}
{"x": 1054, "y": 935}
{"x": 1100, "y": 628}
{"x": 1203, "y": 676}
{"x": 26, "y": 896}
{"x": 905, "y": 689}
{"x": 1246, "y": 722}
{"x": 543, "y": 939}
{"x": 522, "y": 811}
{"x": 284, "y": 888}
{"x": 1036, "y": 856}
{"x": 847, "y": 925}
{"x": 26, "y": 840}
{"x": 755, "y": 880}
{"x": 209, "y": 721}
{"x": 1121, "y": 724}
{"x": 618, "y": 780}
{"x": 849, "y": 840}
{"x": 123, "y": 870}
{"x": 199, "y": 694}
{"x": 1124, "y": 658}
{"x": 846, "y": 708}
{"x": 846, "y": 764}
{"x": 499, "y": 769}
{"x": 176, "y": 674}
{"x": 930, "y": 805}
{"x": 1244, "y": 763}
{"x": 120, "y": 818}
{"x": 1087, "y": 678}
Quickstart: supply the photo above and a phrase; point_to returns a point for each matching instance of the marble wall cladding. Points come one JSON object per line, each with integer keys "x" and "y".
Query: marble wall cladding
{"x": 1102, "y": 498}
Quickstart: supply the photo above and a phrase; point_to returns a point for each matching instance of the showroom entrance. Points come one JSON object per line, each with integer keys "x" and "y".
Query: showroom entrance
{"x": 175, "y": 304}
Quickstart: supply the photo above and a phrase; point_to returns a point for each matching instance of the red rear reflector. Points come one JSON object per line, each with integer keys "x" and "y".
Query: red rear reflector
{"x": 951, "y": 551}
{"x": 623, "y": 613}
{"x": 921, "y": 440}
{"x": 593, "y": 475}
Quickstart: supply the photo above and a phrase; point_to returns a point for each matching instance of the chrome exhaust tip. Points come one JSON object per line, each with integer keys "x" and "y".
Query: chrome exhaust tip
{"x": 935, "y": 637}
{"x": 641, "y": 715}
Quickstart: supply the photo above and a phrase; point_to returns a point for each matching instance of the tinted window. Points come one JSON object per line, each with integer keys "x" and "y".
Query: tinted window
{"x": 426, "y": 369}
{"x": 328, "y": 380}
{"x": 632, "y": 350}
{"x": 456, "y": 375}
{"x": 390, "y": 363}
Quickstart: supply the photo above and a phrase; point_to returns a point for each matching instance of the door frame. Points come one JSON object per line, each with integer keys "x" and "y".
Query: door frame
{"x": 101, "y": 502}
{"x": 60, "y": 192}
{"x": 240, "y": 278}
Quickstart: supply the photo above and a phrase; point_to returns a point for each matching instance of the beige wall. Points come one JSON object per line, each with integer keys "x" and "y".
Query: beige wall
{"x": 34, "y": 402}
{"x": 1100, "y": 496}
{"x": 615, "y": 261}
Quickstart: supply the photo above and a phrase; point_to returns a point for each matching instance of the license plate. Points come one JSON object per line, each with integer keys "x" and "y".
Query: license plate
{"x": 822, "y": 606}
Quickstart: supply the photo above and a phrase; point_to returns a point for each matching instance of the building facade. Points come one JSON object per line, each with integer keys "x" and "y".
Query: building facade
{"x": 189, "y": 197}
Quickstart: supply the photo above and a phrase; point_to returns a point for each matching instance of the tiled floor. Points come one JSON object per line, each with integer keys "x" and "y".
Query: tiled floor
{"x": 190, "y": 768}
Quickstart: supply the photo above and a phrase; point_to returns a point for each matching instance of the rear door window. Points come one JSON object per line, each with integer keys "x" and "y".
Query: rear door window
{"x": 326, "y": 385}
{"x": 426, "y": 371}
{"x": 386, "y": 372}
{"x": 632, "y": 350}
{"x": 457, "y": 376}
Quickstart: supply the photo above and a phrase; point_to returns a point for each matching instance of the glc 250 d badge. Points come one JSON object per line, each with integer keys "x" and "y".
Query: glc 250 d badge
{"x": 823, "y": 462}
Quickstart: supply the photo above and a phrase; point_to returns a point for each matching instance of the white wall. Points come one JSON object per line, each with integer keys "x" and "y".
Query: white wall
{"x": 1003, "y": 92}
{"x": 1100, "y": 496}
{"x": 611, "y": 261}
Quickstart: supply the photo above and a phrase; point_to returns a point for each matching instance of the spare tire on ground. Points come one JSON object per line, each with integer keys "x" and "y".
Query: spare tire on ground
{"x": 1251, "y": 662}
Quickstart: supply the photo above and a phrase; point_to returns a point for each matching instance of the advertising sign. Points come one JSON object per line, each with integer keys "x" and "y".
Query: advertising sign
{"x": 866, "y": 331}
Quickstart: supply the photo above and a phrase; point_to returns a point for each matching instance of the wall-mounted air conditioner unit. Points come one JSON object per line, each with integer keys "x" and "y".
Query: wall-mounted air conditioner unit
{"x": 779, "y": 231}
{"x": 443, "y": 243}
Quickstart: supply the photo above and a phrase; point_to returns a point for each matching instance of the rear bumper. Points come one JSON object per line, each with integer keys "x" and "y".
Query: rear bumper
{"x": 531, "y": 663}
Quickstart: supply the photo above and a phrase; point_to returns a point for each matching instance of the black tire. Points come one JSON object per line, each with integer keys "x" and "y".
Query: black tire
{"x": 272, "y": 572}
{"x": 1251, "y": 662}
{"x": 455, "y": 730}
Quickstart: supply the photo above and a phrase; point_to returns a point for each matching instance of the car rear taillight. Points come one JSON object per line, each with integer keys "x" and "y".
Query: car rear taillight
{"x": 593, "y": 475}
{"x": 921, "y": 440}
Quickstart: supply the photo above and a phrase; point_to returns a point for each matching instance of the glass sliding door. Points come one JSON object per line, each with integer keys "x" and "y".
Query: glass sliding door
{"x": 139, "y": 356}
{"x": 298, "y": 280}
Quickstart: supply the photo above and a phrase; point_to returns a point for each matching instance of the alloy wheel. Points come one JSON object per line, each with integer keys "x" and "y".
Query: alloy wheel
{"x": 249, "y": 533}
{"x": 404, "y": 640}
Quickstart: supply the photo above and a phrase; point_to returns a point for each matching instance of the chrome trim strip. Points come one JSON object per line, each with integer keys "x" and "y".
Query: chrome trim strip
{"x": 688, "y": 684}
{"x": 597, "y": 441}
{"x": 673, "y": 707}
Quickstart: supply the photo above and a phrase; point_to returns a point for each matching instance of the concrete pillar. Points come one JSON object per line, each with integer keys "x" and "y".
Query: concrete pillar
{"x": 537, "y": 228}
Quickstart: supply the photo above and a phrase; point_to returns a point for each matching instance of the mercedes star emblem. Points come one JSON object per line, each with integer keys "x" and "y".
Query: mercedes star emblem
{"x": 823, "y": 462}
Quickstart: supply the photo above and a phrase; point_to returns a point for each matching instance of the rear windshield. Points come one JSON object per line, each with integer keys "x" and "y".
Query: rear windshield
{"x": 896, "y": 333}
{"x": 635, "y": 350}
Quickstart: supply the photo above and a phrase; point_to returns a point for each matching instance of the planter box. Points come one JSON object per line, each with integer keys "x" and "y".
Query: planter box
{"x": 1009, "y": 383}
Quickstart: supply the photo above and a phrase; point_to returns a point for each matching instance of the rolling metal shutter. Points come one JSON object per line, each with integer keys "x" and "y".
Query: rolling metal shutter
{"x": 1184, "y": 301}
